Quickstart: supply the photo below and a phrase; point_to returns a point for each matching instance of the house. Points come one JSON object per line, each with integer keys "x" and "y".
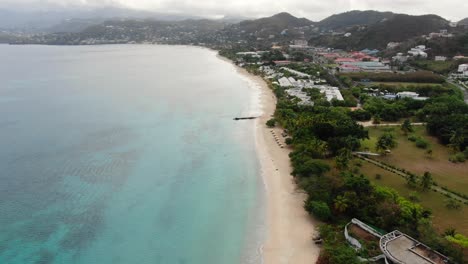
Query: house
{"x": 282, "y": 62}
{"x": 459, "y": 57}
{"x": 392, "y": 45}
{"x": 348, "y": 68}
{"x": 418, "y": 51}
{"x": 343, "y": 60}
{"x": 462, "y": 68}
{"x": 440, "y": 58}
{"x": 400, "y": 57}
{"x": 300, "y": 42}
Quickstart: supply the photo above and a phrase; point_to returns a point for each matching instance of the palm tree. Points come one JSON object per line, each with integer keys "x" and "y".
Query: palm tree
{"x": 341, "y": 204}
{"x": 406, "y": 127}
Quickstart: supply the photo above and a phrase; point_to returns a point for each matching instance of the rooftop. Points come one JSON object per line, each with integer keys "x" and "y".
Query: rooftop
{"x": 401, "y": 248}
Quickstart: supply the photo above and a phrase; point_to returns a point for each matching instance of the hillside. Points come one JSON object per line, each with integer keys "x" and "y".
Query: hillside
{"x": 274, "y": 24}
{"x": 463, "y": 22}
{"x": 353, "y": 18}
{"x": 398, "y": 28}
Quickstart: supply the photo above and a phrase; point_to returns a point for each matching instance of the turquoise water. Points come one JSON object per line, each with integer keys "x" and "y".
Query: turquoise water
{"x": 125, "y": 154}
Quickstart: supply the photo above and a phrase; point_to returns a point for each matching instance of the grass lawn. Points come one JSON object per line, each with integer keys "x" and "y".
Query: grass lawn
{"x": 407, "y": 156}
{"x": 443, "y": 218}
{"x": 406, "y": 84}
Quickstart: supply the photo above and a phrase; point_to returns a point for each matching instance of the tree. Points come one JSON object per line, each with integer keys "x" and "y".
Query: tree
{"x": 457, "y": 139}
{"x": 426, "y": 181}
{"x": 386, "y": 141}
{"x": 343, "y": 158}
{"x": 376, "y": 120}
{"x": 319, "y": 209}
{"x": 406, "y": 127}
{"x": 341, "y": 204}
{"x": 411, "y": 180}
{"x": 429, "y": 152}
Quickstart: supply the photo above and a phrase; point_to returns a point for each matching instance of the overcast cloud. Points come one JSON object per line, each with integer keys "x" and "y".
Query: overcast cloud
{"x": 311, "y": 9}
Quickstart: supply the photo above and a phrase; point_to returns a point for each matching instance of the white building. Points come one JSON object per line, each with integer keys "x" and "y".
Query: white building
{"x": 400, "y": 57}
{"x": 440, "y": 58}
{"x": 300, "y": 42}
{"x": 392, "y": 45}
{"x": 462, "y": 68}
{"x": 330, "y": 92}
{"x": 418, "y": 51}
{"x": 284, "y": 82}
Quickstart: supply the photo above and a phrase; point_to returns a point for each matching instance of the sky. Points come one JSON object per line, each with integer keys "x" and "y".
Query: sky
{"x": 312, "y": 9}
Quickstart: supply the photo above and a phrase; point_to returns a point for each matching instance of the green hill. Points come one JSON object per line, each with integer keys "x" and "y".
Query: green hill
{"x": 398, "y": 28}
{"x": 353, "y": 18}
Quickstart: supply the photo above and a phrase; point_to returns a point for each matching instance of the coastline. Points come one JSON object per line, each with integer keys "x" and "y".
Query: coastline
{"x": 289, "y": 228}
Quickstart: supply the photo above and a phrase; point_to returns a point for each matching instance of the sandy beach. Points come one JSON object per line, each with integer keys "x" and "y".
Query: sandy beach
{"x": 289, "y": 228}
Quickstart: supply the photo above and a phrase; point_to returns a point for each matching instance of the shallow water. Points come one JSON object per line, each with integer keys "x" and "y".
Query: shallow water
{"x": 126, "y": 154}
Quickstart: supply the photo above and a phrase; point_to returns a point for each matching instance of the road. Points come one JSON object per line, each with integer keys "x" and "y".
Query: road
{"x": 405, "y": 175}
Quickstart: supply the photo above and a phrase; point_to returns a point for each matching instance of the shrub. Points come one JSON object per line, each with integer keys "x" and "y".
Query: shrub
{"x": 452, "y": 204}
{"x": 421, "y": 143}
{"x": 457, "y": 157}
{"x": 319, "y": 209}
{"x": 413, "y": 138}
{"x": 271, "y": 122}
{"x": 378, "y": 176}
{"x": 288, "y": 141}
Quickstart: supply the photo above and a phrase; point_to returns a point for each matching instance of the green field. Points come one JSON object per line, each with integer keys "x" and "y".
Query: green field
{"x": 407, "y": 156}
{"x": 443, "y": 218}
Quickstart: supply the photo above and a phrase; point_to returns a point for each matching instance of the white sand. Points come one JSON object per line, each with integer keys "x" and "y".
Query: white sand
{"x": 289, "y": 228}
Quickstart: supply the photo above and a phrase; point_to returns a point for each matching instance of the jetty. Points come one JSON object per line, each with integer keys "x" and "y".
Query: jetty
{"x": 244, "y": 118}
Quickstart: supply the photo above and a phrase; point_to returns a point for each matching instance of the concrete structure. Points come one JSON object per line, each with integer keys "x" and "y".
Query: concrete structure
{"x": 397, "y": 247}
{"x": 403, "y": 249}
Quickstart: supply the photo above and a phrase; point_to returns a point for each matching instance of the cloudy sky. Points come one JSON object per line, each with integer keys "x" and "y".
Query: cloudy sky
{"x": 312, "y": 9}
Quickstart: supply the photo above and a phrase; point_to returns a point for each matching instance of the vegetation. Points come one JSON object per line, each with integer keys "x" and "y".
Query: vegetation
{"x": 327, "y": 135}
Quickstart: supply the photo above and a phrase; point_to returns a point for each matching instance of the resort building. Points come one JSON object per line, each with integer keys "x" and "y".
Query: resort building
{"x": 330, "y": 92}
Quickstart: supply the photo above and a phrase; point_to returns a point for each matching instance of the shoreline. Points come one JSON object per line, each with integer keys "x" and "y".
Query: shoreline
{"x": 289, "y": 228}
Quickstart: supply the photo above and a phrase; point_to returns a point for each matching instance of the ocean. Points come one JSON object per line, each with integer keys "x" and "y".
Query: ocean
{"x": 126, "y": 154}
